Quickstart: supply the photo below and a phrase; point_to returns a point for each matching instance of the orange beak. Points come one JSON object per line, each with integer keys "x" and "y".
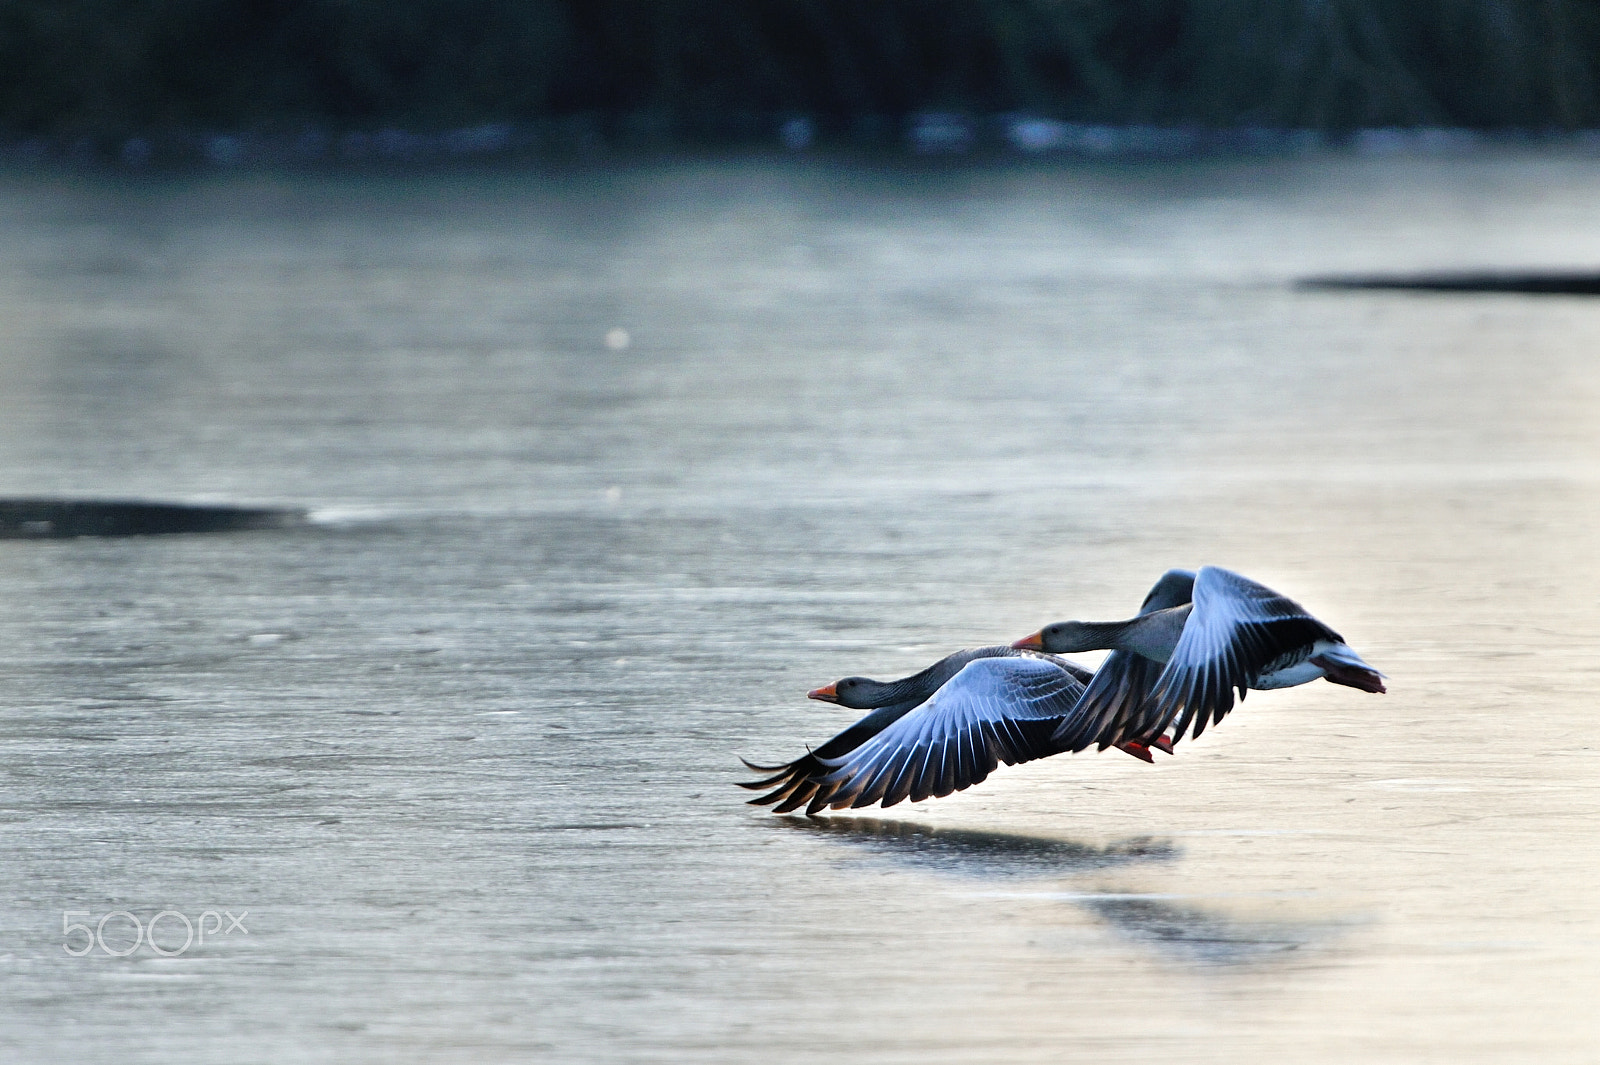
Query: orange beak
{"x": 1031, "y": 643}
{"x": 828, "y": 693}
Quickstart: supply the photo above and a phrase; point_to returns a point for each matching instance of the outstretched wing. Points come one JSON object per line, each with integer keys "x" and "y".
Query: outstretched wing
{"x": 995, "y": 710}
{"x": 794, "y": 784}
{"x": 1236, "y": 629}
{"x": 797, "y": 783}
{"x": 1108, "y": 713}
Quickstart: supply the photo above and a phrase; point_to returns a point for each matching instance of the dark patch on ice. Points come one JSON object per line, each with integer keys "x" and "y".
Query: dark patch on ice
{"x": 47, "y": 519}
{"x": 1530, "y": 283}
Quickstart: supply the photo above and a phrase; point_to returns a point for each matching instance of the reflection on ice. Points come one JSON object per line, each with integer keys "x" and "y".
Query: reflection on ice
{"x": 1171, "y": 923}
{"x": 1193, "y": 934}
{"x": 976, "y": 853}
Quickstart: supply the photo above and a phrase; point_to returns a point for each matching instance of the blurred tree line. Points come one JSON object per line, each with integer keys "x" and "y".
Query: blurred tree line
{"x": 108, "y": 67}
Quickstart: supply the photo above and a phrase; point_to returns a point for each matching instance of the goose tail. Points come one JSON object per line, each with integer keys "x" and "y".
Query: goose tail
{"x": 1343, "y": 666}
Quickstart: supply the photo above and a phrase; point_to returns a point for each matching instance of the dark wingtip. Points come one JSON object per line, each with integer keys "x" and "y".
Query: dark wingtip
{"x": 769, "y": 798}
{"x": 779, "y": 773}
{"x": 798, "y": 797}
{"x": 1367, "y": 680}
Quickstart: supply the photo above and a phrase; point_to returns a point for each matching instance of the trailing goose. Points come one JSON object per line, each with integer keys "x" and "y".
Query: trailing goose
{"x": 1231, "y": 634}
{"x": 941, "y": 730}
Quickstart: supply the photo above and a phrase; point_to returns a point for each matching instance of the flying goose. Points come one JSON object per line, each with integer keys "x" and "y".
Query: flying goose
{"x": 941, "y": 730}
{"x": 1232, "y": 633}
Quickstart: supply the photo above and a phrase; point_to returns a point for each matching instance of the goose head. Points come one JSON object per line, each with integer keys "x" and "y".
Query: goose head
{"x": 1063, "y": 638}
{"x": 856, "y": 693}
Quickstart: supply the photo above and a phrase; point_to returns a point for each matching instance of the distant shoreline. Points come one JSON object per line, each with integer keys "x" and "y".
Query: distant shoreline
{"x": 928, "y": 135}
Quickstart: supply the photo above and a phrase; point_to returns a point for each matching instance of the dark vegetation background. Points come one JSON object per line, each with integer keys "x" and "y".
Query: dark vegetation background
{"x": 721, "y": 68}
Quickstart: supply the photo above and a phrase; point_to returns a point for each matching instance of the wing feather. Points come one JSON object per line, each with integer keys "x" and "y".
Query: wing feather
{"x": 1237, "y": 627}
{"x": 1111, "y": 709}
{"x": 993, "y": 710}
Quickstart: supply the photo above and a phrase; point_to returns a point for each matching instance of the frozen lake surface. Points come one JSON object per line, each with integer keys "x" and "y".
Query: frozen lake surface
{"x": 460, "y": 753}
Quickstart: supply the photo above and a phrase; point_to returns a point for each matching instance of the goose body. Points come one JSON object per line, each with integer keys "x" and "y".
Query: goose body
{"x": 1231, "y": 634}
{"x": 941, "y": 730}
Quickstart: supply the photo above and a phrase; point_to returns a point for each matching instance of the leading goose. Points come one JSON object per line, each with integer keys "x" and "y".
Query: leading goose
{"x": 941, "y": 730}
{"x": 1232, "y": 634}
